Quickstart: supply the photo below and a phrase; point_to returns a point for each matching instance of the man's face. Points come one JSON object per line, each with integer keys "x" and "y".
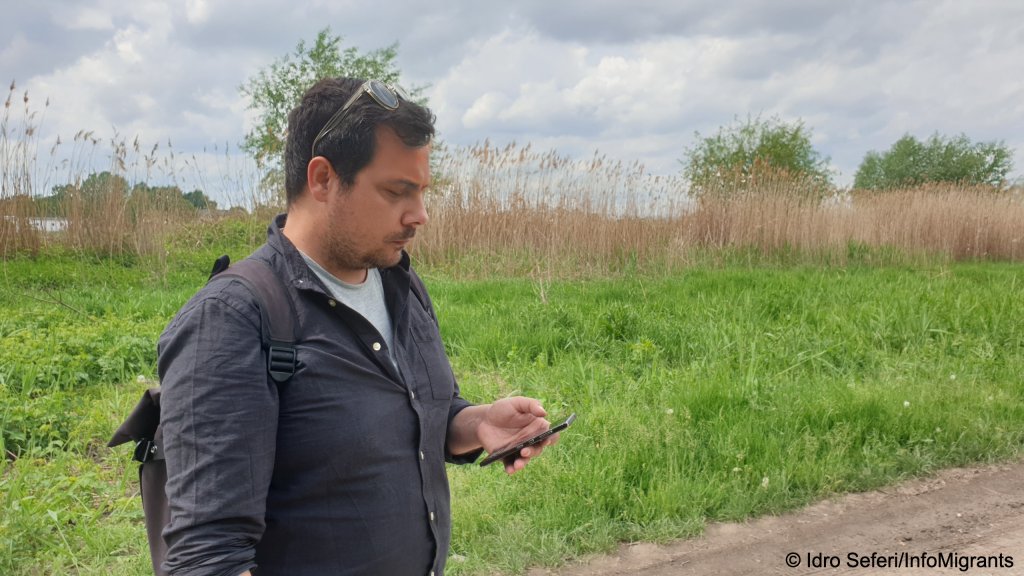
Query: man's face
{"x": 370, "y": 223}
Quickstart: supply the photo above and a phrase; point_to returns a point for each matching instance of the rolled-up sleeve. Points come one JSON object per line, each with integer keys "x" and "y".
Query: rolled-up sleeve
{"x": 219, "y": 411}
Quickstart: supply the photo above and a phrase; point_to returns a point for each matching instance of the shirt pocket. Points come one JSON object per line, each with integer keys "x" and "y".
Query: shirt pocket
{"x": 431, "y": 362}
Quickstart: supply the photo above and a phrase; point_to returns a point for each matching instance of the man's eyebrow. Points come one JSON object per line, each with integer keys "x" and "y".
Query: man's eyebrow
{"x": 408, "y": 185}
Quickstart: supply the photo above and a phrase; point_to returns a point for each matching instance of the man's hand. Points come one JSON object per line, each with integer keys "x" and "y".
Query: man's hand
{"x": 503, "y": 423}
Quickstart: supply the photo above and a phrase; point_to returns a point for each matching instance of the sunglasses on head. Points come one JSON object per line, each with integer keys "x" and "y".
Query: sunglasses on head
{"x": 388, "y": 96}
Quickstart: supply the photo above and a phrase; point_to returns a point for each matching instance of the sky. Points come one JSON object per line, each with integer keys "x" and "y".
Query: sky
{"x": 632, "y": 80}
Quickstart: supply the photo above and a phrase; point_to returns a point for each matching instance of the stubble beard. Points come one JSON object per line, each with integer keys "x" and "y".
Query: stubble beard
{"x": 342, "y": 253}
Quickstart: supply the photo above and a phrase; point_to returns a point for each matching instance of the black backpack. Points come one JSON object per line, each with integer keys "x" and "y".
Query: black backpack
{"x": 143, "y": 424}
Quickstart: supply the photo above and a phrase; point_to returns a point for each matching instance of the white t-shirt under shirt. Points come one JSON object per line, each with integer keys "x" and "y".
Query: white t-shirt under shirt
{"x": 367, "y": 298}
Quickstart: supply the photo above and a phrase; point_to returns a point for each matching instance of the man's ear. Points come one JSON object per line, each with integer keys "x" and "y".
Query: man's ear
{"x": 318, "y": 178}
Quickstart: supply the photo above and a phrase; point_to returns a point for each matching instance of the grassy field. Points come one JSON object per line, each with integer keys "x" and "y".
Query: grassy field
{"x": 733, "y": 356}
{"x": 714, "y": 392}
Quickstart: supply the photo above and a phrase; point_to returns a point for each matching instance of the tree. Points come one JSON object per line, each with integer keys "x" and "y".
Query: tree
{"x": 910, "y": 162}
{"x": 103, "y": 186}
{"x": 97, "y": 188}
{"x": 200, "y": 201}
{"x": 170, "y": 198}
{"x": 742, "y": 150}
{"x": 273, "y": 92}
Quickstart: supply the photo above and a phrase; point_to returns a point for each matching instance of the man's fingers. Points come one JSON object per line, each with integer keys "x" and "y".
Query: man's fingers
{"x": 516, "y": 466}
{"x": 526, "y": 405}
{"x": 527, "y": 454}
{"x": 535, "y": 450}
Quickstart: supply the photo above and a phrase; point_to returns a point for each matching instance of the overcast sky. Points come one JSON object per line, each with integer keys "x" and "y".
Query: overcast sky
{"x": 632, "y": 79}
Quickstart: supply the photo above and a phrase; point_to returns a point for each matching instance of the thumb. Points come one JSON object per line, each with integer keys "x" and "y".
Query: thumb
{"x": 524, "y": 405}
{"x": 533, "y": 406}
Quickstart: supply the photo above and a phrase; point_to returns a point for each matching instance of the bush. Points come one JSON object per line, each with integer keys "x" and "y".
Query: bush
{"x": 746, "y": 150}
{"x": 911, "y": 162}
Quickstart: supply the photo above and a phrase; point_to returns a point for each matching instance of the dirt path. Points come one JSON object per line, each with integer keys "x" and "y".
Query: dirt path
{"x": 966, "y": 512}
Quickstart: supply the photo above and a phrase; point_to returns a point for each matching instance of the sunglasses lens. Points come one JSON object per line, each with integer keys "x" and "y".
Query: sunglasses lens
{"x": 401, "y": 92}
{"x": 383, "y": 95}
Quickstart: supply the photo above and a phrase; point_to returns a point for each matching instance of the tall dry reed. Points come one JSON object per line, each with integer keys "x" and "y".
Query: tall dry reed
{"x": 17, "y": 152}
{"x": 960, "y": 222}
{"x": 513, "y": 209}
{"x": 59, "y": 199}
{"x": 519, "y": 210}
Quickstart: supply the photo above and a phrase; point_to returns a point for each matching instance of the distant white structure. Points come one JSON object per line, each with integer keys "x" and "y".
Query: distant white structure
{"x": 49, "y": 224}
{"x": 44, "y": 224}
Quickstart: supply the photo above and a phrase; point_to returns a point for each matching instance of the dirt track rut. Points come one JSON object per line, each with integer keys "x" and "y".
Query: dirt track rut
{"x": 967, "y": 512}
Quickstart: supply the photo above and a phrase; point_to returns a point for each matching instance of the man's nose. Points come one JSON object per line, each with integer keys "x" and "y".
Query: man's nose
{"x": 416, "y": 215}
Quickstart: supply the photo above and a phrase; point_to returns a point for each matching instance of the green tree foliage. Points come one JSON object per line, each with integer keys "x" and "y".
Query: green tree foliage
{"x": 911, "y": 162}
{"x": 101, "y": 188}
{"x": 163, "y": 196}
{"x": 199, "y": 200}
{"x": 274, "y": 91}
{"x": 745, "y": 149}
{"x": 101, "y": 184}
{"x": 96, "y": 188}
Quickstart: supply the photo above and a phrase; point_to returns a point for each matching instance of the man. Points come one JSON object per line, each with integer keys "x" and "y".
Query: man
{"x": 341, "y": 469}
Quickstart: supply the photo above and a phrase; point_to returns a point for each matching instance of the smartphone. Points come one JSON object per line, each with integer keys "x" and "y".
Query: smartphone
{"x": 513, "y": 451}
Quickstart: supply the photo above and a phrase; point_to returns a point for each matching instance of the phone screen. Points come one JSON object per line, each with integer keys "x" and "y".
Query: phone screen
{"x": 513, "y": 450}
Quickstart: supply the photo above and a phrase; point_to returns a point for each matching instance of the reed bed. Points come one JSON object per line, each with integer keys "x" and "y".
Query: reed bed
{"x": 59, "y": 197}
{"x": 518, "y": 210}
{"x": 504, "y": 209}
{"x": 936, "y": 220}
{"x": 515, "y": 209}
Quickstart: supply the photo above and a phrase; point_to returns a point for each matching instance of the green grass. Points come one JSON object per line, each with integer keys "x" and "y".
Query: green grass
{"x": 713, "y": 394}
{"x": 721, "y": 394}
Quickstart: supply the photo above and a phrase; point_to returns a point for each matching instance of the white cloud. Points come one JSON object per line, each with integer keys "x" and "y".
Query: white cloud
{"x": 625, "y": 100}
{"x": 631, "y": 80}
{"x": 19, "y": 48}
{"x": 84, "y": 17}
{"x": 484, "y": 109}
{"x": 197, "y": 11}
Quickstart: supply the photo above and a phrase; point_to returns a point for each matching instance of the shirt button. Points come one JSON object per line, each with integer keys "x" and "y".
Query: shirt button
{"x": 421, "y": 455}
{"x": 376, "y": 346}
{"x": 412, "y": 395}
{"x": 432, "y": 516}
{"x": 332, "y": 303}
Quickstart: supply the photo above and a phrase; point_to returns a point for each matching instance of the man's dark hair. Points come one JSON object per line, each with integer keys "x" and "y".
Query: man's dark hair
{"x": 349, "y": 146}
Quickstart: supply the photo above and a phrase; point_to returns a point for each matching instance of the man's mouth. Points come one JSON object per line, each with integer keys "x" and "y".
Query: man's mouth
{"x": 404, "y": 237}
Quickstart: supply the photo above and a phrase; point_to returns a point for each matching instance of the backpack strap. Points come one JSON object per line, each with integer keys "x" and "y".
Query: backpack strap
{"x": 277, "y": 334}
{"x": 277, "y": 312}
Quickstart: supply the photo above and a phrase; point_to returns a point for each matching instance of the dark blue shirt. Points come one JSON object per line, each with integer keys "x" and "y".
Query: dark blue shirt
{"x": 341, "y": 469}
